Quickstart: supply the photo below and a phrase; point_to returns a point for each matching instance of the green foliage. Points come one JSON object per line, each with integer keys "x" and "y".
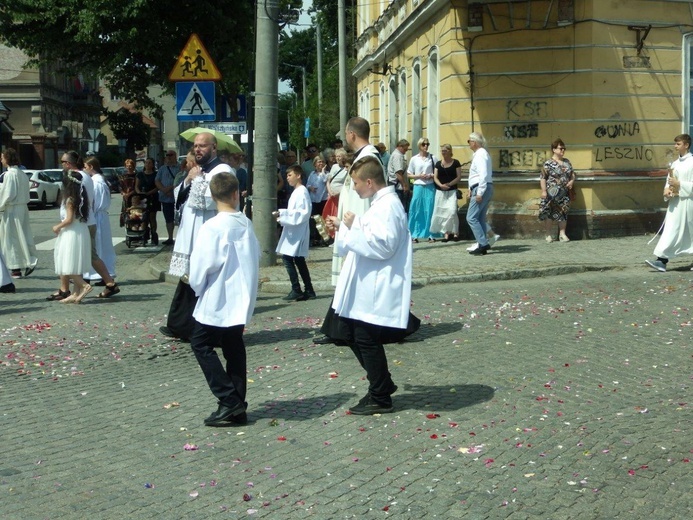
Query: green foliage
{"x": 129, "y": 125}
{"x": 300, "y": 48}
{"x": 132, "y": 44}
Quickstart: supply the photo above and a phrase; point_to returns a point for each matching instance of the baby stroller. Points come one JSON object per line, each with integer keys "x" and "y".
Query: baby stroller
{"x": 134, "y": 217}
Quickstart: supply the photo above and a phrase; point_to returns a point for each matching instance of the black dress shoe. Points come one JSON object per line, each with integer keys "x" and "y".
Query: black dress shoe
{"x": 168, "y": 332}
{"x": 308, "y": 295}
{"x": 323, "y": 340}
{"x": 367, "y": 406}
{"x": 9, "y": 288}
{"x": 293, "y": 296}
{"x": 481, "y": 250}
{"x": 228, "y": 414}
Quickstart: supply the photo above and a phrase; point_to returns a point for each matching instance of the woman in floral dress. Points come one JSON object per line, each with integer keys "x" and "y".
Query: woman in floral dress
{"x": 557, "y": 179}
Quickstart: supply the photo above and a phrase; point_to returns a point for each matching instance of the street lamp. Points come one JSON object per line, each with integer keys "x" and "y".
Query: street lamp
{"x": 303, "y": 71}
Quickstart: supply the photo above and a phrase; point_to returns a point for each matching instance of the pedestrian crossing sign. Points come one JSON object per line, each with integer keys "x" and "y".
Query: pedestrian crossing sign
{"x": 195, "y": 101}
{"x": 194, "y": 63}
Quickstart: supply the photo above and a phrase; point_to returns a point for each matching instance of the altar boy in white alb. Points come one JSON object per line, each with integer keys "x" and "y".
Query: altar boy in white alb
{"x": 374, "y": 286}
{"x": 224, "y": 267}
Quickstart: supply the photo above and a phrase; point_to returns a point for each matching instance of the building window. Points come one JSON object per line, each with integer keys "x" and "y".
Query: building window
{"x": 382, "y": 117}
{"x": 402, "y": 112}
{"x": 433, "y": 120}
{"x": 392, "y": 111}
{"x": 416, "y": 101}
{"x": 688, "y": 83}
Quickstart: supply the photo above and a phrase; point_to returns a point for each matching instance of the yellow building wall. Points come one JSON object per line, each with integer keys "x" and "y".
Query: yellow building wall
{"x": 524, "y": 80}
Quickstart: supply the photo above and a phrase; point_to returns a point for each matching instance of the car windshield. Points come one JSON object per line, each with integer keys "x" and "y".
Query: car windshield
{"x": 54, "y": 175}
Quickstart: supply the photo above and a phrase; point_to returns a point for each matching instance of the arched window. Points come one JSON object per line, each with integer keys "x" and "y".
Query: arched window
{"x": 402, "y": 112}
{"x": 416, "y": 101}
{"x": 383, "y": 134}
{"x": 392, "y": 111}
{"x": 688, "y": 83}
{"x": 433, "y": 119}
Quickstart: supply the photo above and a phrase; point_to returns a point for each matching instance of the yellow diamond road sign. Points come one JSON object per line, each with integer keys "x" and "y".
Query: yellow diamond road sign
{"x": 194, "y": 63}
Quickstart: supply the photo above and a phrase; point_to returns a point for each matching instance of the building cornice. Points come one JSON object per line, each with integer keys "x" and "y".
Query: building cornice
{"x": 416, "y": 19}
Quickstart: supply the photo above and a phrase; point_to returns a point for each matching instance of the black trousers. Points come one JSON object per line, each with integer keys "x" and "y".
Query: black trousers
{"x": 227, "y": 384}
{"x": 180, "y": 320}
{"x": 291, "y": 263}
{"x": 368, "y": 349}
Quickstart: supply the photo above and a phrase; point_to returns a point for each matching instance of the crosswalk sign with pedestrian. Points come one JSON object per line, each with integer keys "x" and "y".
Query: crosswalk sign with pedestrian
{"x": 195, "y": 101}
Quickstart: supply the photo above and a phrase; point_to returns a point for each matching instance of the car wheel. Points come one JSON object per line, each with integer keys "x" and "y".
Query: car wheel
{"x": 42, "y": 205}
{"x": 57, "y": 200}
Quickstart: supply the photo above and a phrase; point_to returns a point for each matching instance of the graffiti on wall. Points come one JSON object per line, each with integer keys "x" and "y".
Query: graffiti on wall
{"x": 521, "y": 131}
{"x": 617, "y": 130}
{"x": 524, "y": 110}
{"x": 635, "y": 153}
{"x": 522, "y": 158}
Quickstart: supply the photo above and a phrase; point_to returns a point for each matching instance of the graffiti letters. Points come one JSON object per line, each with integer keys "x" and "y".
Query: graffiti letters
{"x": 521, "y": 131}
{"x": 519, "y": 110}
{"x": 617, "y": 130}
{"x": 635, "y": 153}
{"x": 521, "y": 158}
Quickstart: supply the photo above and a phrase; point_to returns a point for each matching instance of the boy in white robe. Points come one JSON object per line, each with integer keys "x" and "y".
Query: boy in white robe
{"x": 677, "y": 235}
{"x": 374, "y": 287}
{"x": 294, "y": 242}
{"x": 224, "y": 266}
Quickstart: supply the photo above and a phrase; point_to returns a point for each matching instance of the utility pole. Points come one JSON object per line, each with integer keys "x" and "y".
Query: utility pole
{"x": 318, "y": 37}
{"x": 265, "y": 163}
{"x": 343, "y": 91}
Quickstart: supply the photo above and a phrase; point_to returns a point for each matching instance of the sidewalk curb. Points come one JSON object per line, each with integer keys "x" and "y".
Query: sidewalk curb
{"x": 279, "y": 287}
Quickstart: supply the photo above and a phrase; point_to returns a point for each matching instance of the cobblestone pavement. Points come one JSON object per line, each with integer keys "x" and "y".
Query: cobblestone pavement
{"x": 558, "y": 397}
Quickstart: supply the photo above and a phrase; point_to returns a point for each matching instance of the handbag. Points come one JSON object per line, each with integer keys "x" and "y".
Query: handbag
{"x": 198, "y": 188}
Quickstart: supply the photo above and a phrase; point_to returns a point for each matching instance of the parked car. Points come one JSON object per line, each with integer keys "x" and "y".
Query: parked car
{"x": 42, "y": 189}
{"x": 55, "y": 174}
{"x": 112, "y": 176}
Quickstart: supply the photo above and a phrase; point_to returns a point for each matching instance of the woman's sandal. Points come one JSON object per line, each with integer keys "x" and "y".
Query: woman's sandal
{"x": 109, "y": 291}
{"x": 58, "y": 296}
{"x": 70, "y": 299}
{"x": 87, "y": 289}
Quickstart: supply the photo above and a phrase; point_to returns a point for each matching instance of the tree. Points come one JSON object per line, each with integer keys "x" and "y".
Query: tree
{"x": 130, "y": 126}
{"x": 132, "y": 44}
{"x": 299, "y": 48}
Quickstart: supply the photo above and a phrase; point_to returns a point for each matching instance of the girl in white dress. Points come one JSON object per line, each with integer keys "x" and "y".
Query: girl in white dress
{"x": 72, "y": 252}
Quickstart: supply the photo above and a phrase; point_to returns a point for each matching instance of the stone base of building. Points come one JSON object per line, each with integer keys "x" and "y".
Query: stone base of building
{"x": 581, "y": 224}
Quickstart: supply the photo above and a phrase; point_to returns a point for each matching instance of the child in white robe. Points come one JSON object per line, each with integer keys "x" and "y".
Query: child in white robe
{"x": 677, "y": 235}
{"x": 295, "y": 239}
{"x": 224, "y": 266}
{"x": 374, "y": 287}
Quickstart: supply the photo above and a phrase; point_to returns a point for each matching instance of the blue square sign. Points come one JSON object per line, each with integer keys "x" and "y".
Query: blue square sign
{"x": 195, "y": 101}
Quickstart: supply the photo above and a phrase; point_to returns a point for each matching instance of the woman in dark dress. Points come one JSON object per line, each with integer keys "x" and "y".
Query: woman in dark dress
{"x": 556, "y": 181}
{"x": 447, "y": 174}
{"x": 145, "y": 185}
